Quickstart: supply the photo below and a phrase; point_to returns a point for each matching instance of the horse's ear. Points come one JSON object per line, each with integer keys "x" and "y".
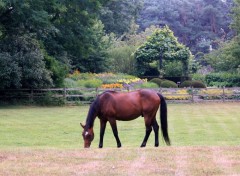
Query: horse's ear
{"x": 82, "y": 125}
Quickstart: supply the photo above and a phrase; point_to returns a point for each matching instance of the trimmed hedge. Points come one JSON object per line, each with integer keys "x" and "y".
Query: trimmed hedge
{"x": 198, "y": 84}
{"x": 223, "y": 79}
{"x": 158, "y": 81}
{"x": 168, "y": 84}
{"x": 186, "y": 84}
{"x": 194, "y": 84}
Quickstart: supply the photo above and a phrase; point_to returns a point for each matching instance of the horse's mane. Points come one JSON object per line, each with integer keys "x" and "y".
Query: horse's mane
{"x": 94, "y": 109}
{"x": 92, "y": 113}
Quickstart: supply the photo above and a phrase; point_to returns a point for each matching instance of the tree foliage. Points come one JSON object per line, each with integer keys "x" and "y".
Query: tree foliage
{"x": 161, "y": 47}
{"x": 197, "y": 23}
{"x": 46, "y": 38}
{"x": 118, "y": 15}
{"x": 226, "y": 58}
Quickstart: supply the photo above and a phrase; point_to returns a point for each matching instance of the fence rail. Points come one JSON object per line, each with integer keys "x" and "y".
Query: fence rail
{"x": 87, "y": 95}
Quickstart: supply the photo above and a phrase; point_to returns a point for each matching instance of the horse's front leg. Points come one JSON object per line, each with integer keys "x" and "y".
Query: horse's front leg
{"x": 115, "y": 131}
{"x": 102, "y": 131}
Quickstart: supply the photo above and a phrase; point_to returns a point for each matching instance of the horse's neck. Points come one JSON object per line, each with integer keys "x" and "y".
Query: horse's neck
{"x": 92, "y": 114}
{"x": 90, "y": 121}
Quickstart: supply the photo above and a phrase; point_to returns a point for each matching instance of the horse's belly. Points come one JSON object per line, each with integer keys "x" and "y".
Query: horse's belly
{"x": 128, "y": 116}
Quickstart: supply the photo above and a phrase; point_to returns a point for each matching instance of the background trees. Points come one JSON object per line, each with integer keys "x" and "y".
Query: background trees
{"x": 197, "y": 23}
{"x": 46, "y": 38}
{"x": 41, "y": 41}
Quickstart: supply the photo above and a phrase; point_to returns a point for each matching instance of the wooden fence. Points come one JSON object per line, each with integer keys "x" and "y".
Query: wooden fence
{"x": 86, "y": 96}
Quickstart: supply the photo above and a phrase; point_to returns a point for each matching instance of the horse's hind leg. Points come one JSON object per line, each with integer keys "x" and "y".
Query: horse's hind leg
{"x": 156, "y": 131}
{"x": 115, "y": 131}
{"x": 148, "y": 131}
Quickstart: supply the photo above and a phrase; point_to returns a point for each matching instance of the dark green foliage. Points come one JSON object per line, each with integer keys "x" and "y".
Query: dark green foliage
{"x": 198, "y": 84}
{"x": 194, "y": 84}
{"x": 197, "y": 23}
{"x": 42, "y": 38}
{"x": 186, "y": 84}
{"x": 226, "y": 58}
{"x": 161, "y": 47}
{"x": 223, "y": 79}
{"x": 199, "y": 77}
{"x": 49, "y": 100}
{"x": 27, "y": 67}
{"x": 168, "y": 84}
{"x": 118, "y": 15}
{"x": 158, "y": 81}
{"x": 10, "y": 75}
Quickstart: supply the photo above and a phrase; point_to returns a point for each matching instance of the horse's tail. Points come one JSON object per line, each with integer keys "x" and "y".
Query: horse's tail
{"x": 163, "y": 119}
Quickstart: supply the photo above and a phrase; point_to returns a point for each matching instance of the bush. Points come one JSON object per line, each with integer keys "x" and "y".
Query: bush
{"x": 199, "y": 77}
{"x": 198, "y": 84}
{"x": 92, "y": 83}
{"x": 223, "y": 79}
{"x": 194, "y": 84}
{"x": 70, "y": 83}
{"x": 49, "y": 100}
{"x": 146, "y": 85}
{"x": 168, "y": 84}
{"x": 186, "y": 84}
{"x": 158, "y": 81}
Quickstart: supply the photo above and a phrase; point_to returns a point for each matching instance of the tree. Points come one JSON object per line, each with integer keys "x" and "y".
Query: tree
{"x": 118, "y": 15}
{"x": 226, "y": 58}
{"x": 197, "y": 23}
{"x": 121, "y": 52}
{"x": 161, "y": 47}
{"x": 23, "y": 64}
{"x": 59, "y": 35}
{"x": 236, "y": 16}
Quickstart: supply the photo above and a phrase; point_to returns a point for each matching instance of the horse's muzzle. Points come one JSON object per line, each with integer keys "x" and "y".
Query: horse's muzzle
{"x": 87, "y": 144}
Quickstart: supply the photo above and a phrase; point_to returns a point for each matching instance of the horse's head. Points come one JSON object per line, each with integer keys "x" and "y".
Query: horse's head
{"x": 88, "y": 136}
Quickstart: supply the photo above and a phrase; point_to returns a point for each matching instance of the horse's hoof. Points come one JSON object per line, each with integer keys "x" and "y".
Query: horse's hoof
{"x": 156, "y": 145}
{"x": 143, "y": 145}
{"x": 119, "y": 146}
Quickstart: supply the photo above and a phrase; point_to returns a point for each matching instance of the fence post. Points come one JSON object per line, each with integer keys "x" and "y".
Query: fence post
{"x": 65, "y": 93}
{"x": 31, "y": 96}
{"x": 192, "y": 94}
{"x": 160, "y": 90}
{"x": 223, "y": 88}
{"x": 96, "y": 91}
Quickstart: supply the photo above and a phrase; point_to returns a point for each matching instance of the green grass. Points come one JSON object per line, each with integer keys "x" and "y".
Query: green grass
{"x": 212, "y": 124}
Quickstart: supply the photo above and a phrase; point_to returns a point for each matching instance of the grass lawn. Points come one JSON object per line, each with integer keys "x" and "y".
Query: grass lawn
{"x": 47, "y": 141}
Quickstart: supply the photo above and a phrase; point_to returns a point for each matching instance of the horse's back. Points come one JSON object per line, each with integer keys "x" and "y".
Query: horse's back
{"x": 128, "y": 106}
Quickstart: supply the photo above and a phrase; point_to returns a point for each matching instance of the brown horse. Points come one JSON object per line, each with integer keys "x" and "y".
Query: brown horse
{"x": 111, "y": 106}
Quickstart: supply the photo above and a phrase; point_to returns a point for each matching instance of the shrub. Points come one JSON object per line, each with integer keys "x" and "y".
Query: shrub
{"x": 158, "y": 81}
{"x": 146, "y": 85}
{"x": 94, "y": 83}
{"x": 194, "y": 84}
{"x": 49, "y": 100}
{"x": 70, "y": 83}
{"x": 198, "y": 84}
{"x": 199, "y": 77}
{"x": 168, "y": 84}
{"x": 223, "y": 79}
{"x": 186, "y": 84}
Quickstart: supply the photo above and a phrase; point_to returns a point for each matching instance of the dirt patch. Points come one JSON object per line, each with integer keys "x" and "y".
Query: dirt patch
{"x": 125, "y": 161}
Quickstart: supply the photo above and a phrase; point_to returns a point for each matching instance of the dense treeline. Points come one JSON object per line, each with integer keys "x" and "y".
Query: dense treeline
{"x": 197, "y": 23}
{"x": 41, "y": 41}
